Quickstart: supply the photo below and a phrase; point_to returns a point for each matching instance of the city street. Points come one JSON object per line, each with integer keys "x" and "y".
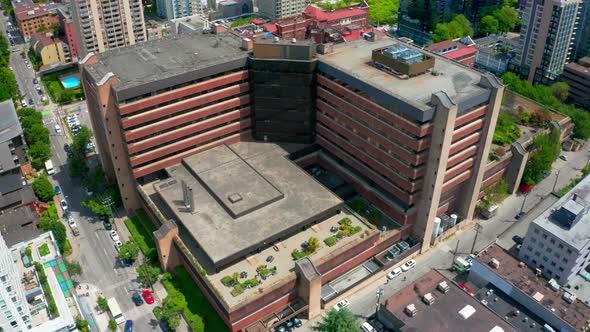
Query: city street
{"x": 94, "y": 249}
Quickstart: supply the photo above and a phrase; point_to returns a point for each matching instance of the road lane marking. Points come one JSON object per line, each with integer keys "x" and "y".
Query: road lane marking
{"x": 105, "y": 251}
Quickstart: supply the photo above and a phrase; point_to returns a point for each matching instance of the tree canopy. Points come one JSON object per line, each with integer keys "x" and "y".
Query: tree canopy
{"x": 43, "y": 189}
{"x": 342, "y": 320}
{"x": 129, "y": 251}
{"x": 488, "y": 25}
{"x": 148, "y": 274}
{"x": 507, "y": 132}
{"x": 458, "y": 27}
{"x": 560, "y": 90}
{"x": 507, "y": 18}
{"x": 36, "y": 136}
{"x": 547, "y": 148}
{"x": 383, "y": 11}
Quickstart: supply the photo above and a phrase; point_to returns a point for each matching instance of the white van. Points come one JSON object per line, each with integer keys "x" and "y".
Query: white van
{"x": 57, "y": 129}
{"x": 366, "y": 327}
{"x": 462, "y": 263}
{"x": 49, "y": 167}
{"x": 116, "y": 313}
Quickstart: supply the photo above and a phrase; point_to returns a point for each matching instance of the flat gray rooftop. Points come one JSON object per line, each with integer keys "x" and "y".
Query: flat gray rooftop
{"x": 246, "y": 195}
{"x": 458, "y": 82}
{"x": 579, "y": 235}
{"x": 9, "y": 124}
{"x": 180, "y": 57}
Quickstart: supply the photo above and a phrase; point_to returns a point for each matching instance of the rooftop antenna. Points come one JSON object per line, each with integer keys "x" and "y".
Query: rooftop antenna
{"x": 188, "y": 197}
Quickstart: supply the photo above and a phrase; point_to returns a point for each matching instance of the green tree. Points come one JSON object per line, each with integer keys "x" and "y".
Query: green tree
{"x": 458, "y": 27}
{"x": 43, "y": 189}
{"x": 129, "y": 251}
{"x": 511, "y": 3}
{"x": 342, "y": 320}
{"x": 97, "y": 206}
{"x": 507, "y": 131}
{"x": 74, "y": 268}
{"x": 313, "y": 244}
{"x": 547, "y": 148}
{"x": 113, "y": 326}
{"x": 56, "y": 29}
{"x": 172, "y": 306}
{"x": 441, "y": 33}
{"x": 39, "y": 153}
{"x": 80, "y": 141}
{"x": 8, "y": 88}
{"x": 148, "y": 274}
{"x": 42, "y": 28}
{"x": 507, "y": 18}
{"x": 383, "y": 11}
{"x": 37, "y": 133}
{"x": 82, "y": 324}
{"x": 77, "y": 166}
{"x": 95, "y": 180}
{"x": 560, "y": 90}
{"x": 488, "y": 25}
{"x": 102, "y": 303}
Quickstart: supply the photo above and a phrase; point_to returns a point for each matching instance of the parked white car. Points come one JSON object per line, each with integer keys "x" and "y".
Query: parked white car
{"x": 118, "y": 245}
{"x": 394, "y": 273}
{"x": 409, "y": 265}
{"x": 341, "y": 305}
{"x": 114, "y": 235}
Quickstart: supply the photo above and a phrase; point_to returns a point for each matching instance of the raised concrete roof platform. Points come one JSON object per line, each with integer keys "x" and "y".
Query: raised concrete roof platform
{"x": 412, "y": 96}
{"x": 278, "y": 199}
{"x": 237, "y": 186}
{"x": 158, "y": 64}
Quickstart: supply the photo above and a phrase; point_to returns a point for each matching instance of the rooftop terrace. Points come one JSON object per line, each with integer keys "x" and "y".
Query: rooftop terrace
{"x": 157, "y": 64}
{"x": 443, "y": 314}
{"x": 248, "y": 194}
{"x": 519, "y": 275}
{"x": 458, "y": 82}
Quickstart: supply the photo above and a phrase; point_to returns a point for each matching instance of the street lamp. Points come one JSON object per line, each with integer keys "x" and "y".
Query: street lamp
{"x": 378, "y": 296}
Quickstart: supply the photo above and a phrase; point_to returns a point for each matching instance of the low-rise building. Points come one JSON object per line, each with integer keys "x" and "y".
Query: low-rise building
{"x": 494, "y": 53}
{"x": 461, "y": 50}
{"x": 557, "y": 242}
{"x": 435, "y": 303}
{"x": 158, "y": 29}
{"x": 50, "y": 50}
{"x": 577, "y": 76}
{"x": 70, "y": 34}
{"x": 558, "y": 309}
{"x": 13, "y": 152}
{"x": 32, "y": 17}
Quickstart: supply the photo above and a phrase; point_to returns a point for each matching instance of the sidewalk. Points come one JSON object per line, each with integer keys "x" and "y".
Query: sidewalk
{"x": 99, "y": 320}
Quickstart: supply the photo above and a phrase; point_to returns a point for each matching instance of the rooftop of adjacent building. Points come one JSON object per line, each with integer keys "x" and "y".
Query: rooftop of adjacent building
{"x": 179, "y": 54}
{"x": 571, "y": 209}
{"x": 521, "y": 276}
{"x": 19, "y": 224}
{"x": 337, "y": 13}
{"x": 355, "y": 58}
{"x": 44, "y": 39}
{"x": 57, "y": 278}
{"x": 443, "y": 314}
{"x": 9, "y": 124}
{"x": 582, "y": 67}
{"x": 245, "y": 193}
{"x": 28, "y": 11}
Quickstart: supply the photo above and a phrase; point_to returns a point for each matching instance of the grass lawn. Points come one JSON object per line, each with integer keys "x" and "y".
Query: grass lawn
{"x": 197, "y": 302}
{"x": 141, "y": 229}
{"x": 56, "y": 90}
{"x": 44, "y": 250}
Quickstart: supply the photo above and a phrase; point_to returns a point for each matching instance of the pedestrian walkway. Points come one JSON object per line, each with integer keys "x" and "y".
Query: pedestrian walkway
{"x": 87, "y": 296}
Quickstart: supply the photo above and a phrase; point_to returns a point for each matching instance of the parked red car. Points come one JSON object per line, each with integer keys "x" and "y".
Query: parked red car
{"x": 148, "y": 297}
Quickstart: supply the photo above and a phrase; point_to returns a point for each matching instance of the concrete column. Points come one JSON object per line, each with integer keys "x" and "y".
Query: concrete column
{"x": 515, "y": 169}
{"x": 167, "y": 253}
{"x": 438, "y": 155}
{"x": 310, "y": 286}
{"x": 472, "y": 187}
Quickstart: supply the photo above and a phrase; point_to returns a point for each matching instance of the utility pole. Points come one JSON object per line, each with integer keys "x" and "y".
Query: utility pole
{"x": 378, "y": 296}
{"x": 555, "y": 183}
{"x": 478, "y": 229}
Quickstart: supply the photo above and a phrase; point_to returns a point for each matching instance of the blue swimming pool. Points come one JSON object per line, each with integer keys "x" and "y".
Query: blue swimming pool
{"x": 70, "y": 82}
